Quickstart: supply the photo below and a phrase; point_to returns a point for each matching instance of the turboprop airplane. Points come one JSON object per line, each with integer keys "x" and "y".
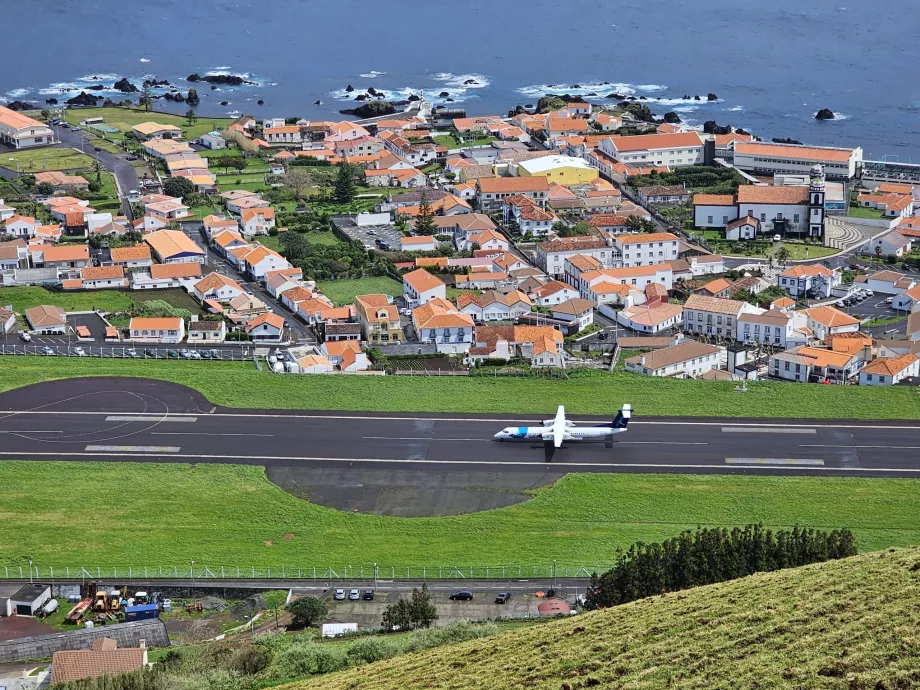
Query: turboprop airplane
{"x": 559, "y": 430}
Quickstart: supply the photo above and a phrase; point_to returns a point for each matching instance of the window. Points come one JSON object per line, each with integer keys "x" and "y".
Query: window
{"x": 779, "y": 216}
{"x": 709, "y": 219}
{"x": 795, "y": 218}
{"x": 868, "y": 377}
{"x": 787, "y": 365}
{"x": 763, "y": 217}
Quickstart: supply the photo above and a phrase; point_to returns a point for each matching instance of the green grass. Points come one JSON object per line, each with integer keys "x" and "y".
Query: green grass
{"x": 177, "y": 297}
{"x": 272, "y": 243}
{"x": 798, "y": 251}
{"x": 584, "y": 392}
{"x": 843, "y": 624}
{"x": 125, "y": 118}
{"x": 24, "y": 297}
{"x": 453, "y": 293}
{"x": 885, "y": 321}
{"x": 326, "y": 238}
{"x": 451, "y": 142}
{"x": 224, "y": 515}
{"x": 344, "y": 291}
{"x": 56, "y": 158}
{"x": 863, "y": 212}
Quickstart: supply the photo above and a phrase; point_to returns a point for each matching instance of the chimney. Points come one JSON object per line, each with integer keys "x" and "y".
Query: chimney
{"x": 642, "y": 360}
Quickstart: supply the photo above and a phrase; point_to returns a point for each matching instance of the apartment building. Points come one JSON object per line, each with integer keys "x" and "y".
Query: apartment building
{"x": 713, "y": 316}
{"x": 672, "y": 150}
{"x": 761, "y": 158}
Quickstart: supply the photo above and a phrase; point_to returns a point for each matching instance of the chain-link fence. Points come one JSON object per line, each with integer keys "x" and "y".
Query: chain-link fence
{"x": 369, "y": 571}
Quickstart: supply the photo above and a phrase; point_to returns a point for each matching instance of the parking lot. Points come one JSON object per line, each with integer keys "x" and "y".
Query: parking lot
{"x": 384, "y": 237}
{"x": 60, "y": 346}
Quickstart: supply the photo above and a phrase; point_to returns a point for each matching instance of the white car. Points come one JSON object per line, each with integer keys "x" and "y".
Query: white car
{"x": 339, "y": 595}
{"x": 869, "y": 293}
{"x": 889, "y": 300}
{"x": 79, "y": 352}
{"x": 777, "y": 238}
{"x": 25, "y": 337}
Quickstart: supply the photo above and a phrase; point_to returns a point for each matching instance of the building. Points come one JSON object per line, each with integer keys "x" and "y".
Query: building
{"x": 663, "y": 194}
{"x": 603, "y": 286}
{"x": 213, "y": 141}
{"x": 494, "y": 306}
{"x": 686, "y": 360}
{"x": 714, "y": 210}
{"x": 650, "y": 319}
{"x": 713, "y": 316}
{"x": 564, "y": 170}
{"x": 346, "y": 355}
{"x": 102, "y": 659}
{"x": 379, "y": 320}
{"x": 552, "y": 255}
{"x": 887, "y": 371}
{"x": 907, "y": 300}
{"x": 578, "y": 313}
{"x": 21, "y": 132}
{"x": 422, "y": 243}
{"x": 715, "y": 288}
{"x": 266, "y": 328}
{"x": 814, "y": 365}
{"x": 809, "y": 281}
{"x": 97, "y": 278}
{"x": 646, "y": 249}
{"x": 46, "y": 320}
{"x": 61, "y": 181}
{"x": 420, "y": 287}
{"x": 28, "y": 600}
{"x": 257, "y": 221}
{"x": 746, "y": 228}
{"x": 553, "y": 292}
{"x": 217, "y": 287}
{"x": 671, "y": 150}
{"x": 132, "y": 257}
{"x": 761, "y": 158}
{"x": 825, "y": 321}
{"x": 541, "y": 345}
{"x": 148, "y": 131}
{"x": 779, "y": 209}
{"x": 173, "y": 246}
{"x": 207, "y": 331}
{"x": 260, "y": 261}
{"x": 163, "y": 276}
{"x": 66, "y": 256}
{"x": 774, "y": 328}
{"x": 170, "y": 329}
{"x": 283, "y": 135}
{"x": 892, "y": 243}
{"x": 491, "y": 191}
{"x": 20, "y": 226}
{"x": 7, "y": 319}
{"x": 439, "y": 322}
{"x": 887, "y": 282}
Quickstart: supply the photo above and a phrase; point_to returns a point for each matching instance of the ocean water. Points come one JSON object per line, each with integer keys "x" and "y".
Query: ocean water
{"x": 773, "y": 65}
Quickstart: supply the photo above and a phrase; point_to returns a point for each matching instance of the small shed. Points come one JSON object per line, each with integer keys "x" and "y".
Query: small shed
{"x": 338, "y": 629}
{"x": 29, "y": 600}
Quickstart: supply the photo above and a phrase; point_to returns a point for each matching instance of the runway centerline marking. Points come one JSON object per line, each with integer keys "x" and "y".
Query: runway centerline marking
{"x": 768, "y": 430}
{"x": 420, "y": 438}
{"x": 142, "y": 418}
{"x": 135, "y": 449}
{"x": 784, "y": 462}
{"x": 816, "y": 445}
{"x": 43, "y": 431}
{"x": 202, "y": 433}
{"x": 662, "y": 443}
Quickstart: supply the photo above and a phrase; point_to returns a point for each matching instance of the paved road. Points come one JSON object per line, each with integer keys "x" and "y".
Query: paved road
{"x": 124, "y": 172}
{"x": 144, "y": 420}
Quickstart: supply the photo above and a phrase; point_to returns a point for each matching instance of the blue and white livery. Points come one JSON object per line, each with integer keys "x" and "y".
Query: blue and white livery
{"x": 559, "y": 430}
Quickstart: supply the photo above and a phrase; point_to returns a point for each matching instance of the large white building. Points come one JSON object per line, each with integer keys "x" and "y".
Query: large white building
{"x": 672, "y": 150}
{"x": 21, "y": 132}
{"x": 713, "y": 316}
{"x": 646, "y": 249}
{"x": 763, "y": 158}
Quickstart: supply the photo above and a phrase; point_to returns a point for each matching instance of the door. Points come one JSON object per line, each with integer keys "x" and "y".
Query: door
{"x": 23, "y": 610}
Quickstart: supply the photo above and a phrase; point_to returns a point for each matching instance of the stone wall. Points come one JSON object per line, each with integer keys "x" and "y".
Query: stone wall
{"x": 152, "y": 632}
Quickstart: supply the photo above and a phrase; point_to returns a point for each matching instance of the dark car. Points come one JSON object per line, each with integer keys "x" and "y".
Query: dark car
{"x": 205, "y": 354}
{"x": 368, "y": 595}
{"x": 97, "y": 148}
{"x": 502, "y": 597}
{"x": 150, "y": 352}
{"x": 462, "y": 595}
{"x": 603, "y": 335}
{"x": 172, "y": 354}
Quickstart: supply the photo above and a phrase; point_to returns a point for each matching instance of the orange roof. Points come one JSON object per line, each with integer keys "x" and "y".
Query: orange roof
{"x": 716, "y": 286}
{"x": 758, "y": 194}
{"x": 72, "y": 284}
{"x": 269, "y": 318}
{"x": 830, "y": 317}
{"x": 169, "y": 243}
{"x": 249, "y": 213}
{"x": 792, "y": 151}
{"x": 163, "y": 323}
{"x": 439, "y": 313}
{"x": 423, "y": 239}
{"x": 607, "y": 220}
{"x": 646, "y": 142}
{"x": 65, "y": 252}
{"x": 180, "y": 270}
{"x": 497, "y": 185}
{"x": 713, "y": 200}
{"x": 783, "y": 302}
{"x": 103, "y": 273}
{"x": 421, "y": 280}
{"x": 136, "y": 253}
{"x": 890, "y": 365}
{"x": 214, "y": 281}
{"x": 646, "y": 237}
{"x": 800, "y": 271}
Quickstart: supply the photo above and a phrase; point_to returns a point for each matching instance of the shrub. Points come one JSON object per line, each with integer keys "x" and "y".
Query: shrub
{"x": 372, "y": 649}
{"x": 451, "y": 634}
{"x": 307, "y": 611}
{"x": 250, "y": 660}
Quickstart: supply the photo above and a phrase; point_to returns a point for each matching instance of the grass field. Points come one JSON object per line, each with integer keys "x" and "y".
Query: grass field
{"x": 451, "y": 142}
{"x": 125, "y": 118}
{"x": 166, "y": 514}
{"x": 344, "y": 291}
{"x": 809, "y": 251}
{"x": 585, "y": 392}
{"x": 862, "y": 212}
{"x": 327, "y": 238}
{"x": 177, "y": 297}
{"x": 272, "y": 243}
{"x": 842, "y": 624}
{"x": 24, "y": 297}
{"x": 45, "y": 160}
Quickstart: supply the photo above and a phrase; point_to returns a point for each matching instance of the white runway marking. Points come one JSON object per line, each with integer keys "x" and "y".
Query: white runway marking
{"x": 142, "y": 418}
{"x": 663, "y": 443}
{"x": 16, "y": 431}
{"x": 775, "y": 461}
{"x": 768, "y": 430}
{"x": 420, "y": 438}
{"x": 135, "y": 449}
{"x": 202, "y": 433}
{"x": 853, "y": 446}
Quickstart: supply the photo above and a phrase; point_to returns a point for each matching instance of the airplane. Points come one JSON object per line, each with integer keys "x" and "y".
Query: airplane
{"x": 558, "y": 430}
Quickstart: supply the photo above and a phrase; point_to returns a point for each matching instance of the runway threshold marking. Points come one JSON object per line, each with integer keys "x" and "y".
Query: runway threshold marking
{"x": 766, "y": 430}
{"x": 139, "y": 418}
{"x": 134, "y": 449}
{"x": 783, "y": 462}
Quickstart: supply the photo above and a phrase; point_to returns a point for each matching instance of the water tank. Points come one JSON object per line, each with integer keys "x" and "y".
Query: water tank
{"x": 167, "y": 605}
{"x": 87, "y": 624}
{"x": 50, "y": 607}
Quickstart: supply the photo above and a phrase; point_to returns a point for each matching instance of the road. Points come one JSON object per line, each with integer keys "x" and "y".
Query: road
{"x": 142, "y": 420}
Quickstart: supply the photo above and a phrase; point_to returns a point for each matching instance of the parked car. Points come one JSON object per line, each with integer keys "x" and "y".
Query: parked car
{"x": 502, "y": 597}
{"x": 889, "y": 300}
{"x": 869, "y": 293}
{"x": 205, "y": 354}
{"x": 339, "y": 595}
{"x": 185, "y": 354}
{"x": 354, "y": 595}
{"x": 130, "y": 352}
{"x": 462, "y": 595}
{"x": 79, "y": 352}
{"x": 368, "y": 595}
{"x": 76, "y": 129}
{"x": 97, "y": 148}
{"x": 150, "y": 352}
{"x": 603, "y": 335}
{"x": 217, "y": 354}
{"x": 25, "y": 337}
{"x": 47, "y": 350}
{"x": 172, "y": 354}
{"x": 777, "y": 238}
{"x": 839, "y": 304}
{"x": 194, "y": 354}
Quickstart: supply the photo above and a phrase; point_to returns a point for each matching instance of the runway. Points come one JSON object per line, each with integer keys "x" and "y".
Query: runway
{"x": 143, "y": 420}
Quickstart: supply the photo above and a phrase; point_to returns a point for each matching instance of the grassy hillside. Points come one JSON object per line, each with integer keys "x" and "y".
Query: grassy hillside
{"x": 164, "y": 515}
{"x": 844, "y": 624}
{"x": 585, "y": 392}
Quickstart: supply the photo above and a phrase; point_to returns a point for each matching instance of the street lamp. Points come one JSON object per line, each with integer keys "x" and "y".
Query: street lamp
{"x": 375, "y": 577}
{"x": 30, "y": 570}
{"x": 192, "y": 570}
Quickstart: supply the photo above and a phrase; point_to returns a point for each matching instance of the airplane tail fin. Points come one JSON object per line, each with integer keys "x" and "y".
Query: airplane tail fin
{"x": 622, "y": 418}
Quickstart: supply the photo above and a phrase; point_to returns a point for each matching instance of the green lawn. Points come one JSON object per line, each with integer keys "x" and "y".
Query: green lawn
{"x": 344, "y": 291}
{"x": 451, "y": 142}
{"x": 886, "y": 321}
{"x": 584, "y": 392}
{"x": 862, "y": 212}
{"x": 808, "y": 251}
{"x": 177, "y": 297}
{"x": 125, "y": 118}
{"x": 272, "y": 243}
{"x": 24, "y": 297}
{"x": 327, "y": 238}
{"x": 45, "y": 160}
{"x": 227, "y": 515}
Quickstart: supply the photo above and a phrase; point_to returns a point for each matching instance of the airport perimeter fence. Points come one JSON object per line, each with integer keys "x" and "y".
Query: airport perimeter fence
{"x": 362, "y": 573}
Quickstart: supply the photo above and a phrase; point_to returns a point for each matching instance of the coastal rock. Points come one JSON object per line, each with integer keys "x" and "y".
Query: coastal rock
{"x": 672, "y": 118}
{"x": 470, "y": 81}
{"x": 371, "y": 109}
{"x": 741, "y": 131}
{"x": 349, "y": 88}
{"x": 192, "y": 98}
{"x": 125, "y": 86}
{"x": 314, "y": 102}
{"x": 371, "y": 91}
{"x": 260, "y": 102}
{"x": 174, "y": 96}
{"x": 193, "y": 77}
{"x": 641, "y": 98}
{"x": 412, "y": 98}
{"x": 575, "y": 86}
{"x": 225, "y": 102}
{"x": 443, "y": 94}
{"x": 20, "y": 105}
{"x": 825, "y": 114}
{"x": 84, "y": 99}
{"x": 711, "y": 127}
{"x": 381, "y": 94}
{"x": 361, "y": 97}
{"x": 229, "y": 79}
{"x": 780, "y": 140}
{"x": 152, "y": 83}
{"x": 615, "y": 96}
{"x": 213, "y": 88}
{"x": 108, "y": 103}
{"x": 450, "y": 100}
{"x": 96, "y": 87}
{"x": 712, "y": 97}
{"x": 50, "y": 101}
{"x": 95, "y": 78}
{"x": 697, "y": 98}
{"x": 588, "y": 95}
{"x": 685, "y": 97}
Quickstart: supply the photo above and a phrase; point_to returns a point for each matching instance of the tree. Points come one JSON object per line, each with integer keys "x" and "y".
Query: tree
{"x": 245, "y": 144}
{"x": 424, "y": 221}
{"x": 180, "y": 187}
{"x": 782, "y": 255}
{"x": 94, "y": 186}
{"x": 97, "y": 170}
{"x": 238, "y": 163}
{"x": 191, "y": 117}
{"x": 637, "y": 224}
{"x": 422, "y": 612}
{"x": 307, "y": 611}
{"x": 878, "y": 252}
{"x": 397, "y": 616}
{"x": 146, "y": 98}
{"x": 580, "y": 229}
{"x": 45, "y": 189}
{"x": 344, "y": 188}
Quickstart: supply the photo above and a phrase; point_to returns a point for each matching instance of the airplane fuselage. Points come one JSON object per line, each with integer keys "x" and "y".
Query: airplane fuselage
{"x": 574, "y": 434}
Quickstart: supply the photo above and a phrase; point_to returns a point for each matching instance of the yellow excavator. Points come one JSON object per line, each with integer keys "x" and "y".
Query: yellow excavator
{"x": 114, "y": 600}
{"x": 100, "y": 604}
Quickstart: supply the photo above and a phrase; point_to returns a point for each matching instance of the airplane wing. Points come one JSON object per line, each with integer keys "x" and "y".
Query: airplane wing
{"x": 559, "y": 427}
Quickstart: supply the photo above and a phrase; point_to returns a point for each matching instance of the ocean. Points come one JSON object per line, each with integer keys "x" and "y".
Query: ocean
{"x": 772, "y": 65}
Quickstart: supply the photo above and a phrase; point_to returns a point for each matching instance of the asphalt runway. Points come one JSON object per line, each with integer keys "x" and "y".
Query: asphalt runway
{"x": 143, "y": 420}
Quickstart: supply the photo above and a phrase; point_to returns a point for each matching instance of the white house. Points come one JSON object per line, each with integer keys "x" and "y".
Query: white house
{"x": 768, "y": 158}
{"x": 774, "y": 328}
{"x": 673, "y": 150}
{"x": 213, "y": 141}
{"x": 887, "y": 371}
{"x": 207, "y": 331}
{"x": 907, "y": 300}
{"x": 346, "y": 355}
{"x": 163, "y": 276}
{"x": 591, "y": 284}
{"x": 646, "y": 249}
{"x": 714, "y": 210}
{"x": 21, "y": 226}
{"x": 892, "y": 243}
{"x": 20, "y": 131}
{"x": 713, "y": 316}
{"x": 99, "y": 277}
{"x": 494, "y": 306}
{"x": 420, "y": 287}
{"x": 650, "y": 319}
{"x": 888, "y": 282}
{"x": 746, "y": 228}
{"x": 168, "y": 329}
{"x": 314, "y": 364}
{"x": 46, "y": 320}
{"x": 422, "y": 243}
{"x": 261, "y": 261}
{"x": 440, "y": 322}
{"x": 132, "y": 257}
{"x": 257, "y": 221}
{"x": 814, "y": 364}
{"x": 266, "y": 328}
{"x": 217, "y": 287}
{"x": 552, "y": 293}
{"x": 815, "y": 281}
{"x": 552, "y": 255}
{"x": 824, "y": 321}
{"x": 688, "y": 359}
{"x": 578, "y": 313}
